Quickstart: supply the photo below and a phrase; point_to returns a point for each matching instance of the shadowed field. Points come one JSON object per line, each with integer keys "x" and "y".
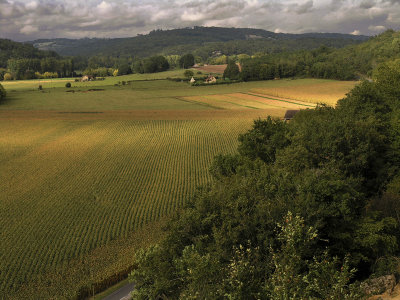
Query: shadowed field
{"x": 85, "y": 172}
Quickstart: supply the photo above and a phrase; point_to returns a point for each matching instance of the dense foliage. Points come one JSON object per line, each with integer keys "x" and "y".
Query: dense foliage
{"x": 186, "y": 61}
{"x": 14, "y": 50}
{"x": 290, "y": 215}
{"x": 352, "y": 62}
{"x": 2, "y": 92}
{"x": 151, "y": 65}
{"x": 181, "y": 41}
{"x": 231, "y": 71}
{"x": 22, "y": 61}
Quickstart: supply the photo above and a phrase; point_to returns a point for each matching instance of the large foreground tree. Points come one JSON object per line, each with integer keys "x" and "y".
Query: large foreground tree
{"x": 290, "y": 210}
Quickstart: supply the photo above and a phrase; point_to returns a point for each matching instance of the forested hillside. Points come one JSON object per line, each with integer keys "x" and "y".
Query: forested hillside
{"x": 14, "y": 50}
{"x": 22, "y": 61}
{"x": 180, "y": 41}
{"x": 348, "y": 63}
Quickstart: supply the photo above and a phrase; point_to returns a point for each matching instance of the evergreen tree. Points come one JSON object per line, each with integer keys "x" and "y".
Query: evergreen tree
{"x": 232, "y": 71}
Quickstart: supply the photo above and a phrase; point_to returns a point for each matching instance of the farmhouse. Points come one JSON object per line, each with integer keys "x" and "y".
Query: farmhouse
{"x": 290, "y": 114}
{"x": 87, "y": 78}
{"x": 210, "y": 79}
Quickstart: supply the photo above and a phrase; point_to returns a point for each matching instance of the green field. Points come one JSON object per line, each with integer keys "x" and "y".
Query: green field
{"x": 87, "y": 175}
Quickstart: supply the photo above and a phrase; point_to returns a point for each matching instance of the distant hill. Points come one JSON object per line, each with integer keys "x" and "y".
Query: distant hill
{"x": 187, "y": 39}
{"x": 10, "y": 49}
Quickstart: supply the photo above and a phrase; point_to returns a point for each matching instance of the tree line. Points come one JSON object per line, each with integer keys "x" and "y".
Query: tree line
{"x": 347, "y": 63}
{"x": 303, "y": 210}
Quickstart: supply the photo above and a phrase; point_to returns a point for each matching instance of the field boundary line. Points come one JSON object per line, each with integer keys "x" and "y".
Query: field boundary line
{"x": 198, "y": 102}
{"x": 273, "y": 105}
{"x": 251, "y": 107}
{"x": 270, "y": 98}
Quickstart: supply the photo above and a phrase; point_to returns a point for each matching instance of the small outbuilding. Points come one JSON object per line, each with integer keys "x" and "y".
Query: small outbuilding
{"x": 290, "y": 114}
{"x": 210, "y": 79}
{"x": 87, "y": 78}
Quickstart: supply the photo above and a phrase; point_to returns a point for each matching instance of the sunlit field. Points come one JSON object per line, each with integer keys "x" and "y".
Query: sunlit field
{"x": 90, "y": 172}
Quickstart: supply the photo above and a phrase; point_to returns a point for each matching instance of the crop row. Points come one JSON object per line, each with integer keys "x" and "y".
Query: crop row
{"x": 68, "y": 187}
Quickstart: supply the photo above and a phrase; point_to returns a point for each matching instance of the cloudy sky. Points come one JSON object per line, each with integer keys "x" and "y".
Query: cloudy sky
{"x": 33, "y": 19}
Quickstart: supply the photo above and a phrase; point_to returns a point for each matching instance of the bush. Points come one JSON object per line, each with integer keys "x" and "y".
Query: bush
{"x": 40, "y": 88}
{"x": 188, "y": 73}
{"x": 50, "y": 75}
{"x": 2, "y": 72}
{"x": 2, "y": 92}
{"x": 7, "y": 77}
{"x": 68, "y": 85}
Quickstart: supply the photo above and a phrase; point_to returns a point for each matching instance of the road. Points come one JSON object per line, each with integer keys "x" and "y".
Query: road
{"x": 121, "y": 294}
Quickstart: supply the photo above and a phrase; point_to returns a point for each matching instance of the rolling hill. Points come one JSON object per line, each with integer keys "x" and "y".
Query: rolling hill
{"x": 187, "y": 39}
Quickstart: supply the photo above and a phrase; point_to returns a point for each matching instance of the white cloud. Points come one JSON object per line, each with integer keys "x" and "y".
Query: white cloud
{"x": 29, "y": 29}
{"x": 355, "y": 32}
{"x": 104, "y": 8}
{"x": 118, "y": 18}
{"x": 31, "y": 5}
{"x": 192, "y": 16}
{"x": 377, "y": 28}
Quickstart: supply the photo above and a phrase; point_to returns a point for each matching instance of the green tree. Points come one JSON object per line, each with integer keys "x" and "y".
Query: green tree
{"x": 232, "y": 71}
{"x": 124, "y": 69}
{"x": 325, "y": 166}
{"x": 188, "y": 73}
{"x": 295, "y": 277}
{"x": 173, "y": 61}
{"x": 186, "y": 61}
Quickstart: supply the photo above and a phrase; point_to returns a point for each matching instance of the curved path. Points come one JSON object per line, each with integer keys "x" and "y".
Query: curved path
{"x": 123, "y": 293}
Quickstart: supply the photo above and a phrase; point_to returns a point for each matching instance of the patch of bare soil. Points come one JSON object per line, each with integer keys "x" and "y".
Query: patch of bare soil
{"x": 212, "y": 68}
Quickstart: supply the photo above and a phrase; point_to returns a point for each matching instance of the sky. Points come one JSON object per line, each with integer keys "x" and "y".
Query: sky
{"x": 33, "y": 19}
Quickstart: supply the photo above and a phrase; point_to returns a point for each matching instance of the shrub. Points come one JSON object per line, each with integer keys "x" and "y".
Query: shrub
{"x": 8, "y": 76}
{"x": 2, "y": 72}
{"x": 50, "y": 75}
{"x": 40, "y": 88}
{"x": 2, "y": 92}
{"x": 188, "y": 73}
{"x": 68, "y": 85}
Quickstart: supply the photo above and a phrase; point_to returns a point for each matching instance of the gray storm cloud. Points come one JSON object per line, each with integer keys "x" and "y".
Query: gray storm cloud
{"x": 33, "y": 19}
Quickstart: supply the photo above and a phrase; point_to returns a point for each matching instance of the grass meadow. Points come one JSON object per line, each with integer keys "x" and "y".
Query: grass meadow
{"x": 91, "y": 175}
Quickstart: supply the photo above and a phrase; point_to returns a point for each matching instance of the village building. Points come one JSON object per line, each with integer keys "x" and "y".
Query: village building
{"x": 87, "y": 78}
{"x": 210, "y": 79}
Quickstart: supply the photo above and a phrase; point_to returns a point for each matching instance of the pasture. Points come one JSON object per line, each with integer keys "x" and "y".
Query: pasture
{"x": 87, "y": 176}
